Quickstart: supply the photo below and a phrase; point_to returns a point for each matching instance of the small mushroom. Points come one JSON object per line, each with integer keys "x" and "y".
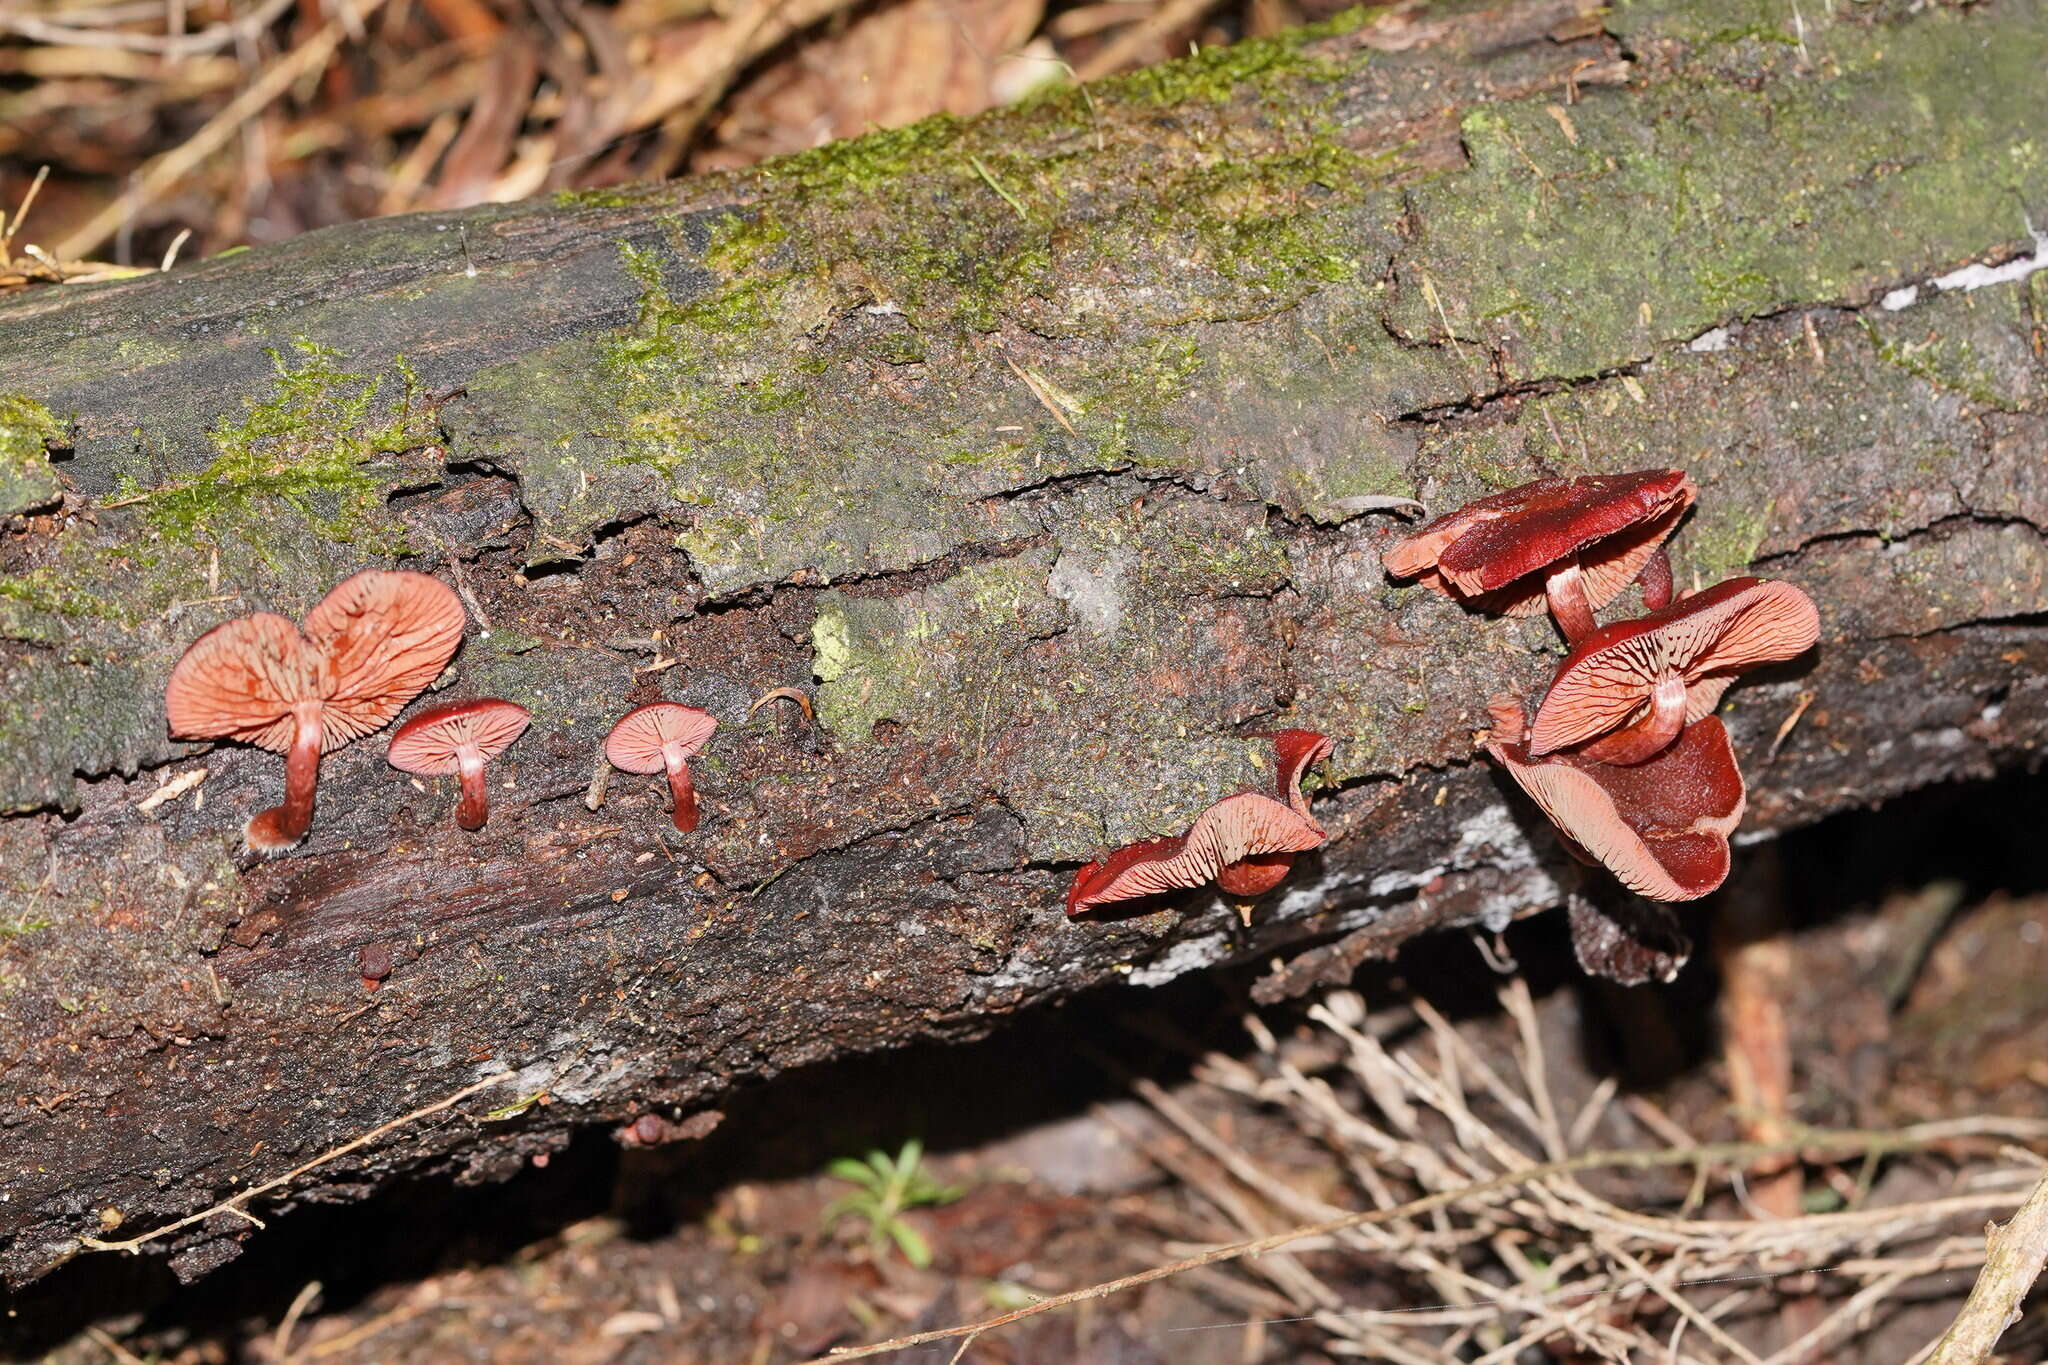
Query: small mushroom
{"x": 365, "y": 650}
{"x": 1632, "y": 686}
{"x": 1570, "y": 544}
{"x": 459, "y": 737}
{"x": 1244, "y": 843}
{"x": 1661, "y": 827}
{"x": 661, "y": 737}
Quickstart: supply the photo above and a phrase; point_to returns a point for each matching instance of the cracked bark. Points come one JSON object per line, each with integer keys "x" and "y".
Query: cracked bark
{"x": 1051, "y": 508}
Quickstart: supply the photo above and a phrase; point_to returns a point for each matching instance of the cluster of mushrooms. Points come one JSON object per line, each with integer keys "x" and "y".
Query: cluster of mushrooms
{"x": 362, "y": 653}
{"x": 1623, "y": 755}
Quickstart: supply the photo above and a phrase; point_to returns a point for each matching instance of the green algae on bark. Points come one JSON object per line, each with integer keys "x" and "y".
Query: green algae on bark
{"x": 1573, "y": 246}
{"x": 27, "y": 430}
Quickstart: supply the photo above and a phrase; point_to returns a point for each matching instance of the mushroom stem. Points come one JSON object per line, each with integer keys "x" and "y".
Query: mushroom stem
{"x": 277, "y": 829}
{"x": 1656, "y": 580}
{"x": 681, "y": 792}
{"x": 475, "y": 806}
{"x": 1566, "y": 589}
{"x": 1650, "y": 736}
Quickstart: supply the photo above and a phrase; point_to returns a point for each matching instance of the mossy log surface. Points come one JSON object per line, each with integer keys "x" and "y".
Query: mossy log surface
{"x": 1048, "y": 448}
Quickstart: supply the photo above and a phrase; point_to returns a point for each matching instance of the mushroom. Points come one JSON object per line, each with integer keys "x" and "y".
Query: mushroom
{"x": 365, "y": 650}
{"x": 459, "y": 737}
{"x": 1571, "y": 544}
{"x": 1244, "y": 843}
{"x": 1632, "y": 686}
{"x": 1661, "y": 827}
{"x": 651, "y": 739}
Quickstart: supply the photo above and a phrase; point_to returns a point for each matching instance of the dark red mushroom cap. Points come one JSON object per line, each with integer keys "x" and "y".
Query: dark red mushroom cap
{"x": 640, "y": 742}
{"x": 1703, "y": 641}
{"x": 1236, "y": 828}
{"x": 1660, "y": 827}
{"x": 432, "y": 742}
{"x": 385, "y": 636}
{"x": 241, "y": 680}
{"x": 1295, "y": 752}
{"x": 1612, "y": 522}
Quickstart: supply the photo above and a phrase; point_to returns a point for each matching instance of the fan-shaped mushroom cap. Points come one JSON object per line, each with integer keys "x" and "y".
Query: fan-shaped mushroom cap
{"x": 1236, "y": 828}
{"x": 1704, "y": 641}
{"x": 1660, "y": 827}
{"x": 241, "y": 680}
{"x": 432, "y": 742}
{"x": 641, "y": 741}
{"x": 1612, "y": 522}
{"x": 386, "y": 635}
{"x": 365, "y": 650}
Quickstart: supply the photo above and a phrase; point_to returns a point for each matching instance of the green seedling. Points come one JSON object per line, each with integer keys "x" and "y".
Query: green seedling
{"x": 886, "y": 1187}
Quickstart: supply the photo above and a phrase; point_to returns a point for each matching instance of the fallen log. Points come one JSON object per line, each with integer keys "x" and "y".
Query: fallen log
{"x": 1053, "y": 452}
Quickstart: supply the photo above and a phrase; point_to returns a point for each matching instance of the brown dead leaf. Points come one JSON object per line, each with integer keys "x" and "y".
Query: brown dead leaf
{"x": 899, "y": 64}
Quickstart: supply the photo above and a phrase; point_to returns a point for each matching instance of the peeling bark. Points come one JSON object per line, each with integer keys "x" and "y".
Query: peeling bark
{"x": 1050, "y": 509}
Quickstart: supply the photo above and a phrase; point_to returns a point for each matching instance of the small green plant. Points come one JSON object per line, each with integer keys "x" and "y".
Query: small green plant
{"x": 887, "y": 1186}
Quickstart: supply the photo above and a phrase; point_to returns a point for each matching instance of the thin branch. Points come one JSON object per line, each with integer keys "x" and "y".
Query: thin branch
{"x": 233, "y": 1203}
{"x": 2013, "y": 1260}
{"x": 1812, "y": 1144}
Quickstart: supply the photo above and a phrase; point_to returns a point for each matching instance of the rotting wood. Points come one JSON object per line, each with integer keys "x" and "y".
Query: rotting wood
{"x": 774, "y": 424}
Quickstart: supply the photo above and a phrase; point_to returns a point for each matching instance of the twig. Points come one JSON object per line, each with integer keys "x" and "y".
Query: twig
{"x": 165, "y": 171}
{"x": 2013, "y": 1258}
{"x": 105, "y": 1341}
{"x": 795, "y": 694}
{"x": 989, "y": 179}
{"x": 233, "y": 1203}
{"x": 281, "y": 1344}
{"x": 1811, "y": 1142}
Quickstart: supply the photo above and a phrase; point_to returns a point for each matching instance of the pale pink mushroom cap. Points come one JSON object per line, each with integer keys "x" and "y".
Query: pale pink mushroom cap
{"x": 1236, "y": 828}
{"x": 643, "y": 739}
{"x": 432, "y": 742}
{"x": 365, "y": 650}
{"x": 1703, "y": 641}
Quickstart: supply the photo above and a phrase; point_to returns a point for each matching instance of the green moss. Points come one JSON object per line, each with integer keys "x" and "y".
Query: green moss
{"x": 611, "y": 197}
{"x": 312, "y": 445}
{"x": 1648, "y": 220}
{"x": 1945, "y": 360}
{"x": 1722, "y": 540}
{"x": 53, "y": 591}
{"x": 27, "y": 429}
{"x": 1213, "y": 75}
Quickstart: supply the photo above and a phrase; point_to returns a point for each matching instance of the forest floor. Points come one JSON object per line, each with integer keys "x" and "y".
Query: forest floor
{"x": 1908, "y": 987}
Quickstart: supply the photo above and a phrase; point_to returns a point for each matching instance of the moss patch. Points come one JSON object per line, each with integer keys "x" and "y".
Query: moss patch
{"x": 27, "y": 429}
{"x": 1655, "y": 221}
{"x": 316, "y": 446}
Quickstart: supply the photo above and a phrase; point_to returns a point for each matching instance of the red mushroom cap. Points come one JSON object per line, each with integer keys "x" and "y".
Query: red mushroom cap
{"x": 241, "y": 680}
{"x": 1236, "y": 828}
{"x": 431, "y": 743}
{"x": 1660, "y": 827}
{"x": 639, "y": 742}
{"x": 386, "y": 635}
{"x": 1612, "y": 522}
{"x": 1703, "y": 641}
{"x": 1295, "y": 752}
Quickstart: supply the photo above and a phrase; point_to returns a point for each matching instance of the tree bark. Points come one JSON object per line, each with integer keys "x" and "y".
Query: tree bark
{"x": 1053, "y": 451}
